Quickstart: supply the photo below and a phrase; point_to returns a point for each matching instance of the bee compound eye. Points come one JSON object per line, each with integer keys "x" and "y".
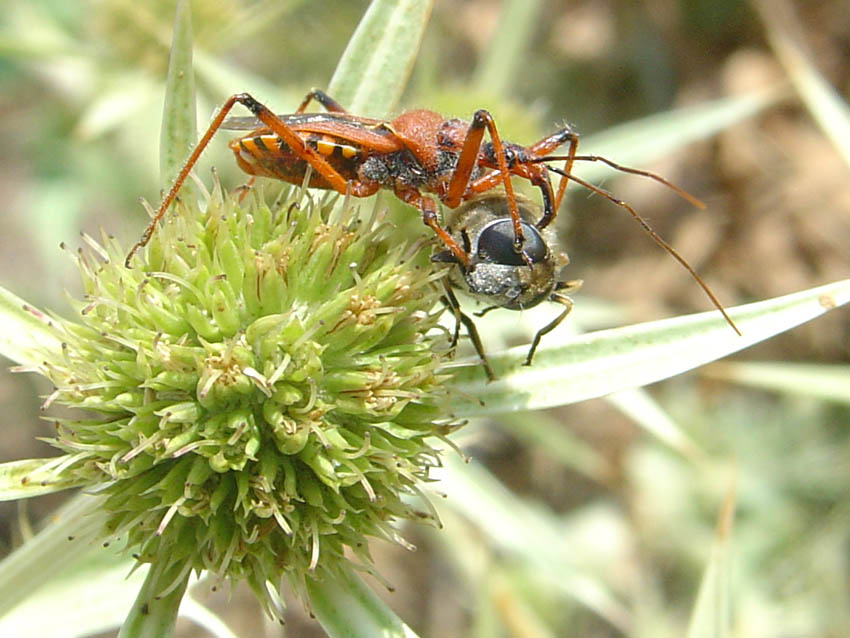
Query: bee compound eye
{"x": 496, "y": 244}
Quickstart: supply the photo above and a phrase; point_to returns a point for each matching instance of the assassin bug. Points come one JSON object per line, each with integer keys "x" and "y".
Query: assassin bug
{"x": 418, "y": 151}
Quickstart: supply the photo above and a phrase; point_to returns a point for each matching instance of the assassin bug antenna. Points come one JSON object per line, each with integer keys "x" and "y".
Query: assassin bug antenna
{"x": 645, "y": 225}
{"x": 681, "y": 192}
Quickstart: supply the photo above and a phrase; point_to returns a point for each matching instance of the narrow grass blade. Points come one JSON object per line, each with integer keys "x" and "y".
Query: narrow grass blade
{"x": 642, "y": 141}
{"x": 91, "y": 596}
{"x": 538, "y": 540}
{"x": 179, "y": 118}
{"x": 374, "y": 68}
{"x": 638, "y": 405}
{"x": 712, "y": 614}
{"x": 502, "y": 60}
{"x": 821, "y": 381}
{"x": 603, "y": 362}
{"x": 546, "y": 434}
{"x": 73, "y": 528}
{"x": 87, "y": 598}
{"x": 830, "y": 111}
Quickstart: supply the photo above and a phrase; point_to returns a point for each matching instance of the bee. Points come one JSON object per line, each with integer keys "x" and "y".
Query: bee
{"x": 495, "y": 273}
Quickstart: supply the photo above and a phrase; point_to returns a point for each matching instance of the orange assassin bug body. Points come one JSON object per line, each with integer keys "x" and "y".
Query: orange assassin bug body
{"x": 417, "y": 154}
{"x": 419, "y": 151}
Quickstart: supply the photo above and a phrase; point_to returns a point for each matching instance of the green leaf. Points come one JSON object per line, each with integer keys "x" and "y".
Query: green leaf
{"x": 347, "y": 608}
{"x": 72, "y": 530}
{"x": 91, "y": 596}
{"x": 639, "y": 406}
{"x": 86, "y": 598}
{"x": 25, "y": 331}
{"x": 31, "y": 477}
{"x": 374, "y": 68}
{"x": 607, "y": 361}
{"x": 544, "y": 433}
{"x": 537, "y": 539}
{"x": 179, "y": 124}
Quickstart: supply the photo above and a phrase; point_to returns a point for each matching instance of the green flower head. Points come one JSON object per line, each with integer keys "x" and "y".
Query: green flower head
{"x": 260, "y": 391}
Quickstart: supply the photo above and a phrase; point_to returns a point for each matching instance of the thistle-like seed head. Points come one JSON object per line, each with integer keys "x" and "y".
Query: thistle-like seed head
{"x": 261, "y": 388}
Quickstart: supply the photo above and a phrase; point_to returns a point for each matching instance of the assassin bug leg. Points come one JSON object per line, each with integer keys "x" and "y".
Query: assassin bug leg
{"x": 469, "y": 159}
{"x": 418, "y": 151}
{"x": 330, "y": 104}
{"x": 529, "y": 165}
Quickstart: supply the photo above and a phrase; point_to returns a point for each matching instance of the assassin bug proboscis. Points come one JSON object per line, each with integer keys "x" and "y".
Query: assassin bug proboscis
{"x": 417, "y": 152}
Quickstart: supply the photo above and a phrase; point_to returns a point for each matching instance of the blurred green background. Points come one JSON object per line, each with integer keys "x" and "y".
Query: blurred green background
{"x": 81, "y": 87}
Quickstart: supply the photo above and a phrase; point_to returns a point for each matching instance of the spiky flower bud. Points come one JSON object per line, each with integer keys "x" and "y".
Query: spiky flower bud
{"x": 261, "y": 389}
